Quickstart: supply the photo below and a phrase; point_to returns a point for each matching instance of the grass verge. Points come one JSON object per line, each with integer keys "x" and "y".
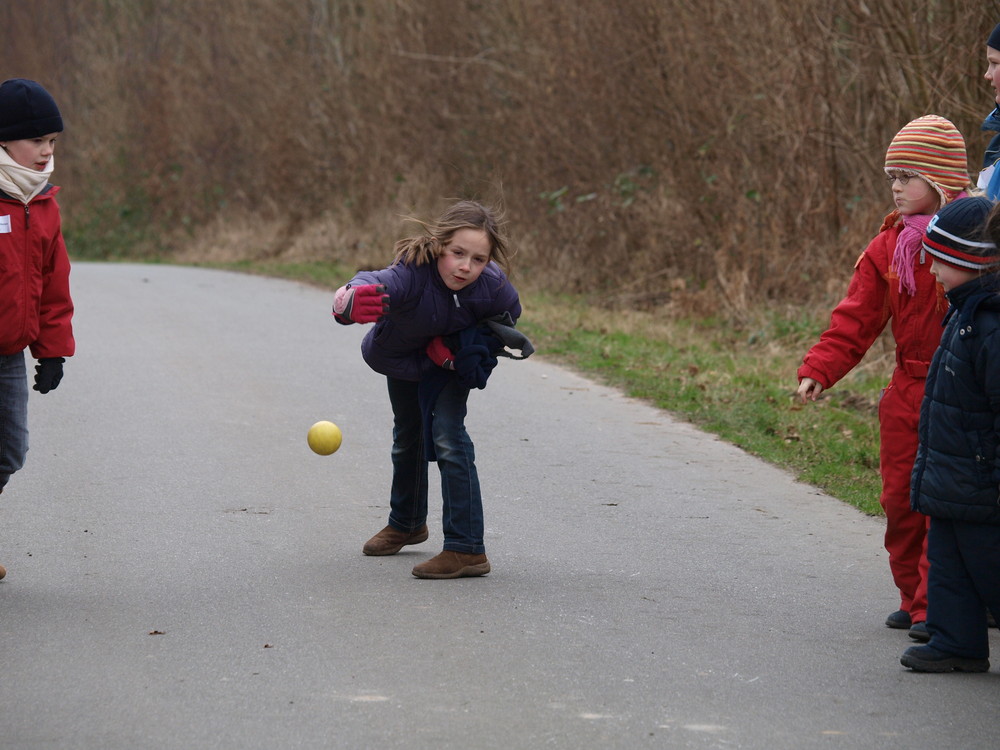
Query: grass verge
{"x": 737, "y": 383}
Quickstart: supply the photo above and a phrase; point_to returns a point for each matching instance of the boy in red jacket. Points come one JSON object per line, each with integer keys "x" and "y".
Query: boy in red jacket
{"x": 35, "y": 306}
{"x": 926, "y": 167}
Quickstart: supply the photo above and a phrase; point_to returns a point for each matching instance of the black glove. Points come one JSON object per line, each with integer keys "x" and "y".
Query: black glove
{"x": 48, "y": 373}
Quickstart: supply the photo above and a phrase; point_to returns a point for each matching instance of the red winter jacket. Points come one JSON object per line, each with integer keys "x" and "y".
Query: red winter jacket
{"x": 873, "y": 297}
{"x": 35, "y": 306}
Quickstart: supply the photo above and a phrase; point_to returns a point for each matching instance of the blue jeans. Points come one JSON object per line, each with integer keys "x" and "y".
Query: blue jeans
{"x": 13, "y": 414}
{"x": 462, "y": 514}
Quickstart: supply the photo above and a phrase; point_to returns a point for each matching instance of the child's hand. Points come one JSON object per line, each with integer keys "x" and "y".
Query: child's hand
{"x": 440, "y": 354}
{"x": 48, "y": 373}
{"x": 809, "y": 389}
{"x": 367, "y": 303}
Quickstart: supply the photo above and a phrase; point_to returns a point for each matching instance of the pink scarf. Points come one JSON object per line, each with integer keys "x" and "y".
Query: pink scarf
{"x": 910, "y": 240}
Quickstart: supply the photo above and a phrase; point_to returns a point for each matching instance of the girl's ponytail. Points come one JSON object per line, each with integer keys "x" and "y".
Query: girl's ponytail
{"x": 415, "y": 251}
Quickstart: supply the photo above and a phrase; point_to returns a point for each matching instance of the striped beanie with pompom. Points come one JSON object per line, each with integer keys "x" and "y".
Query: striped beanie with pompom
{"x": 957, "y": 235}
{"x": 932, "y": 147}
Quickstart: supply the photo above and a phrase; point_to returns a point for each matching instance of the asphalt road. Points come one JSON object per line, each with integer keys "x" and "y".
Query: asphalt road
{"x": 185, "y": 573}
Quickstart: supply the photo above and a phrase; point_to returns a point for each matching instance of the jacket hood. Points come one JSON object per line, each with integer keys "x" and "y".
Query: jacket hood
{"x": 992, "y": 121}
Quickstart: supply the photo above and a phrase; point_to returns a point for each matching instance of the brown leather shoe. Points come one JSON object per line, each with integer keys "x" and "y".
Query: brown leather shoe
{"x": 3, "y": 571}
{"x": 449, "y": 564}
{"x": 389, "y": 541}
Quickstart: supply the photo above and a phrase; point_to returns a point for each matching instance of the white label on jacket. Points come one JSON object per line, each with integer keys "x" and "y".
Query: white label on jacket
{"x": 5, "y": 224}
{"x": 984, "y": 177}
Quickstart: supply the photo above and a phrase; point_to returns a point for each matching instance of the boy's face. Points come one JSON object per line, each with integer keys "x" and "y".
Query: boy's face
{"x": 33, "y": 153}
{"x": 912, "y": 194}
{"x": 463, "y": 258}
{"x": 950, "y": 277}
{"x": 993, "y": 71}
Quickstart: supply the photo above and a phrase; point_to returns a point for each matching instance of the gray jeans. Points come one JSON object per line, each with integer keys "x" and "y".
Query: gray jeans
{"x": 13, "y": 415}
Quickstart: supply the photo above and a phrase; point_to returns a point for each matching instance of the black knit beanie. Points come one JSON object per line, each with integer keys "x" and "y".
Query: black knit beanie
{"x": 27, "y": 111}
{"x": 994, "y": 40}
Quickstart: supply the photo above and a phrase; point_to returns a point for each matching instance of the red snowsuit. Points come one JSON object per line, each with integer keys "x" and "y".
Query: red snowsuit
{"x": 873, "y": 298}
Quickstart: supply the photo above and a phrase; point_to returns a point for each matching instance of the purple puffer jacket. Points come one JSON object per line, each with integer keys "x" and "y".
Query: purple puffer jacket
{"x": 422, "y": 307}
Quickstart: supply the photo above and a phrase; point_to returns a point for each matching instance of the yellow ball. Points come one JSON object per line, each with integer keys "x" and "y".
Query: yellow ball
{"x": 324, "y": 438}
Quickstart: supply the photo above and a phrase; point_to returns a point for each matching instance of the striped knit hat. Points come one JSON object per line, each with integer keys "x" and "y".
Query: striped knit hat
{"x": 956, "y": 235}
{"x": 932, "y": 147}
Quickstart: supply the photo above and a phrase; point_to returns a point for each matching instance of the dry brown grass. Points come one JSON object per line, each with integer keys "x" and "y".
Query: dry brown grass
{"x": 674, "y": 155}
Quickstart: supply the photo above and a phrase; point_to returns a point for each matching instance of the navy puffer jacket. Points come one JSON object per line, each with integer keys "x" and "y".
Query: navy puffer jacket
{"x": 957, "y": 471}
{"x": 422, "y": 307}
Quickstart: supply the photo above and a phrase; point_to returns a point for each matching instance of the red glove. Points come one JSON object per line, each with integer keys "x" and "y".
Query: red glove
{"x": 440, "y": 354}
{"x": 368, "y": 303}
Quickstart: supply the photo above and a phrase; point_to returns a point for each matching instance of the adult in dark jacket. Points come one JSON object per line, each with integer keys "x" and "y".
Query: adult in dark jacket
{"x": 956, "y": 475}
{"x": 36, "y": 310}
{"x": 447, "y": 280}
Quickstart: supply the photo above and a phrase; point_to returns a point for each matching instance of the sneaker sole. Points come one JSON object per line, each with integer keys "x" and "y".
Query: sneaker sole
{"x": 956, "y": 664}
{"x": 469, "y": 571}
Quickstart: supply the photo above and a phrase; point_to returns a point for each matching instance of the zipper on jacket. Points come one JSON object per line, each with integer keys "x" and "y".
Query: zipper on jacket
{"x": 27, "y": 217}
{"x": 455, "y": 295}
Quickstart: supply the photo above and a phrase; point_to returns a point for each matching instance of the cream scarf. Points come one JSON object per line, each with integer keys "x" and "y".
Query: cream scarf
{"x": 23, "y": 183}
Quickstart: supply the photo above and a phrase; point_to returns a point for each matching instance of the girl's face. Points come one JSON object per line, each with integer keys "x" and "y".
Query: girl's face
{"x": 950, "y": 277}
{"x": 463, "y": 258}
{"x": 33, "y": 153}
{"x": 912, "y": 194}
{"x": 993, "y": 71}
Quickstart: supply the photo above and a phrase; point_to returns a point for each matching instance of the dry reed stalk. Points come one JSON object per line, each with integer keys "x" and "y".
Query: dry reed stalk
{"x": 732, "y": 146}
